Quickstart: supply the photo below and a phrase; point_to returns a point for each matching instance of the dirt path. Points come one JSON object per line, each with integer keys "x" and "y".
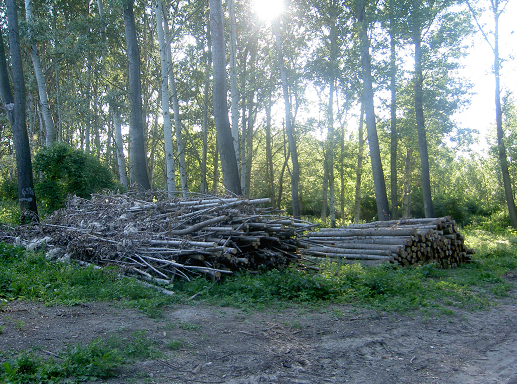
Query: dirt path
{"x": 337, "y": 344}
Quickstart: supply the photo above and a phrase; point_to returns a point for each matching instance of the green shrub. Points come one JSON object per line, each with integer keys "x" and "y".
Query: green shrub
{"x": 63, "y": 170}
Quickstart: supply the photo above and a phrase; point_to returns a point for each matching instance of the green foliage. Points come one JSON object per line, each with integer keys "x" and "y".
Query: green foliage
{"x": 64, "y": 170}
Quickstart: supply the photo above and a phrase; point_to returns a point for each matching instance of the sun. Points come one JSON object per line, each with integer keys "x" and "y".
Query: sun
{"x": 268, "y": 10}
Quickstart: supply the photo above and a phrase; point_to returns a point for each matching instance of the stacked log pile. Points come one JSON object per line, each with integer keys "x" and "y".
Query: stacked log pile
{"x": 159, "y": 238}
{"x": 406, "y": 242}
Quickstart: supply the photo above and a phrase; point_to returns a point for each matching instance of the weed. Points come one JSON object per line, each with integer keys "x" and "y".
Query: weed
{"x": 20, "y": 324}
{"x": 176, "y": 344}
{"x": 186, "y": 326}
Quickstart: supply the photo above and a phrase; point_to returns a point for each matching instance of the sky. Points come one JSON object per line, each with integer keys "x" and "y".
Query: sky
{"x": 478, "y": 68}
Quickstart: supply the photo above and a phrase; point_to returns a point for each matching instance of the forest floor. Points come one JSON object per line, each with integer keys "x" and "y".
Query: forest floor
{"x": 300, "y": 344}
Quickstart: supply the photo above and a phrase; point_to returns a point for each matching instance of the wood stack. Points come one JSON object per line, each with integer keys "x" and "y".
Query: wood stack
{"x": 158, "y": 238}
{"x": 406, "y": 242}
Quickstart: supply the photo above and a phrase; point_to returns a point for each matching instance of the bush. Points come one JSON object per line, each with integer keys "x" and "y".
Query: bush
{"x": 63, "y": 171}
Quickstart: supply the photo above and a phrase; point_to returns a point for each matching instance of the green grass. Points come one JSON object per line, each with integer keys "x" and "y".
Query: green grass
{"x": 29, "y": 276}
{"x": 101, "y": 359}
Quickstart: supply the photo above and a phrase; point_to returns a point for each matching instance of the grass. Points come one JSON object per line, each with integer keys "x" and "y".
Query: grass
{"x": 29, "y": 276}
{"x": 101, "y": 359}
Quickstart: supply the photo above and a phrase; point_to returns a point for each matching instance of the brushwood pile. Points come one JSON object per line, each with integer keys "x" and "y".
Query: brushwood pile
{"x": 159, "y": 238}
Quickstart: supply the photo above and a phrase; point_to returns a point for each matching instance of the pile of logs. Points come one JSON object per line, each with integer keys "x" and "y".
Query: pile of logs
{"x": 405, "y": 241}
{"x": 158, "y": 238}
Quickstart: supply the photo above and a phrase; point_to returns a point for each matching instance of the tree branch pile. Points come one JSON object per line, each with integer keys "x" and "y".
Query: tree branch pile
{"x": 406, "y": 242}
{"x": 160, "y": 238}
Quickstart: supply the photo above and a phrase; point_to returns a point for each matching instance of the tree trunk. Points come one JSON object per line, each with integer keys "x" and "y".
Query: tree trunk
{"x": 234, "y": 89}
{"x": 295, "y": 174}
{"x": 507, "y": 183}
{"x": 170, "y": 179}
{"x": 204, "y": 184}
{"x": 406, "y": 197}
{"x": 50, "y": 131}
{"x": 222, "y": 123}
{"x": 119, "y": 145}
{"x": 138, "y": 160}
{"x": 420, "y": 125}
{"x": 270, "y": 174}
{"x": 176, "y": 108}
{"x": 359, "y": 169}
{"x": 393, "y": 119}
{"x": 15, "y": 107}
{"x": 378, "y": 174}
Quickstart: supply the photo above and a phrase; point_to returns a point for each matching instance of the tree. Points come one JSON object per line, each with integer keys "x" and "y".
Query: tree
{"x": 167, "y": 128}
{"x": 50, "y": 129}
{"x": 497, "y": 7}
{"x": 383, "y": 210}
{"x": 417, "y": 28}
{"x": 138, "y": 158}
{"x": 224, "y": 136}
{"x": 295, "y": 173}
{"x": 15, "y": 107}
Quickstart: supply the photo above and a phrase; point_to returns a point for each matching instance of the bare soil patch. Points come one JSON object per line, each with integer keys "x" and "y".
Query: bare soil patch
{"x": 334, "y": 344}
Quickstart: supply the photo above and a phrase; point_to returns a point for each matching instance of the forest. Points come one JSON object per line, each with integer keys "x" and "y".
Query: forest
{"x": 339, "y": 110}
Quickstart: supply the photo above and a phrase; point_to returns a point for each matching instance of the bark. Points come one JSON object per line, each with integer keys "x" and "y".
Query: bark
{"x": 50, "y": 130}
{"x": 330, "y": 135}
{"x": 176, "y": 108}
{"x": 15, "y": 107}
{"x": 507, "y": 183}
{"x": 393, "y": 120}
{"x": 295, "y": 174}
{"x": 251, "y": 118}
{"x": 378, "y": 174}
{"x": 359, "y": 169}
{"x": 406, "y": 197}
{"x": 119, "y": 147}
{"x": 138, "y": 160}
{"x": 204, "y": 184}
{"x": 234, "y": 89}
{"x": 420, "y": 125}
{"x": 170, "y": 171}
{"x": 224, "y": 137}
{"x": 269, "y": 154}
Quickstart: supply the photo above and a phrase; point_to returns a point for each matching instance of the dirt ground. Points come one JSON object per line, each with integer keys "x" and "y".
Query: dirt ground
{"x": 335, "y": 344}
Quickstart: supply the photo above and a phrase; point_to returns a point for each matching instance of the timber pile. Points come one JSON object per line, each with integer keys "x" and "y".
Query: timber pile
{"x": 406, "y": 242}
{"x": 159, "y": 238}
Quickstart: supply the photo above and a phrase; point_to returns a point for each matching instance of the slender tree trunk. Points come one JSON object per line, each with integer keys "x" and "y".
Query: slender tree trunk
{"x": 234, "y": 89}
{"x": 373, "y": 141}
{"x": 420, "y": 125}
{"x": 204, "y": 184}
{"x": 15, "y": 108}
{"x": 269, "y": 153}
{"x": 406, "y": 197}
{"x": 325, "y": 186}
{"x": 170, "y": 180}
{"x": 176, "y": 108}
{"x": 251, "y": 118}
{"x": 359, "y": 169}
{"x": 507, "y": 183}
{"x": 222, "y": 123}
{"x": 138, "y": 158}
{"x": 119, "y": 145}
{"x": 394, "y": 136}
{"x": 295, "y": 174}
{"x": 50, "y": 131}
